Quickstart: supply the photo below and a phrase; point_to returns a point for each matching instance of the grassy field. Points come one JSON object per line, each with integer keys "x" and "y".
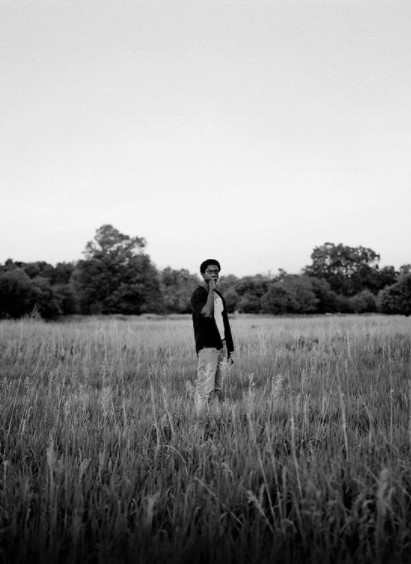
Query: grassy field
{"x": 103, "y": 459}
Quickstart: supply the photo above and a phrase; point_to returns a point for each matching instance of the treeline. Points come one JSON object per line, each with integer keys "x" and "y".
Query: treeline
{"x": 116, "y": 275}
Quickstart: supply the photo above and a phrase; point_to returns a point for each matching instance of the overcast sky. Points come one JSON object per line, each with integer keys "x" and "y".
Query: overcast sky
{"x": 248, "y": 131}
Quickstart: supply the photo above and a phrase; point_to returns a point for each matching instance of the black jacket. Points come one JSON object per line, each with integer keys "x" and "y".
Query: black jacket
{"x": 205, "y": 328}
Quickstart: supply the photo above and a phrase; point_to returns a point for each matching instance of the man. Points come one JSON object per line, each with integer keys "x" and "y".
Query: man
{"x": 214, "y": 342}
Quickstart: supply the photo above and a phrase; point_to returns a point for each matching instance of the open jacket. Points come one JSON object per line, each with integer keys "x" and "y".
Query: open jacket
{"x": 205, "y": 328}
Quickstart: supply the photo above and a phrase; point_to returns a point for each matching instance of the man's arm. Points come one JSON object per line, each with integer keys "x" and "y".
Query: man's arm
{"x": 208, "y": 309}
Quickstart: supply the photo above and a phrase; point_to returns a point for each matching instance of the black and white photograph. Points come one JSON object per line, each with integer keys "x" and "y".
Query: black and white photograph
{"x": 205, "y": 281}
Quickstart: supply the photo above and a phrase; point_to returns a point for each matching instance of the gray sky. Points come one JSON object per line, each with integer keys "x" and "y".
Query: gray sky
{"x": 248, "y": 131}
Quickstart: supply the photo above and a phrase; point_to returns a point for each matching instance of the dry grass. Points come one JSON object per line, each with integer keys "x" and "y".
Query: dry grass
{"x": 103, "y": 459}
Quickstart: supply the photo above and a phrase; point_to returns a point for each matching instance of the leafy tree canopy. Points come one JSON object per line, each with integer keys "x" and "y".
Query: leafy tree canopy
{"x": 116, "y": 275}
{"x": 177, "y": 287}
{"x": 16, "y": 293}
{"x": 397, "y": 297}
{"x": 347, "y": 269}
{"x": 110, "y": 243}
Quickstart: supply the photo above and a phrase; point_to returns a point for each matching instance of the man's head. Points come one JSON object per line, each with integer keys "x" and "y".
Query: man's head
{"x": 210, "y": 269}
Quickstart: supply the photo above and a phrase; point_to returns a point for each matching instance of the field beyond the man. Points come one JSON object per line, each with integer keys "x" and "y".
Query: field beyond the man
{"x": 103, "y": 459}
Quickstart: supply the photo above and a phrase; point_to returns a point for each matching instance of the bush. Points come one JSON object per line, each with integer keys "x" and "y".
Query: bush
{"x": 16, "y": 293}
{"x": 66, "y": 297}
{"x": 396, "y": 299}
{"x": 249, "y": 303}
{"x": 364, "y": 302}
{"x": 232, "y": 299}
{"x": 278, "y": 300}
{"x": 45, "y": 298}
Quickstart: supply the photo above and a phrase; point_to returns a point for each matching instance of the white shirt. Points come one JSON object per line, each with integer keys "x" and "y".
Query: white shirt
{"x": 218, "y": 314}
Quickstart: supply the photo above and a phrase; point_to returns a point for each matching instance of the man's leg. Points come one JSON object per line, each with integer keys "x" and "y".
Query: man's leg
{"x": 206, "y": 372}
{"x": 221, "y": 371}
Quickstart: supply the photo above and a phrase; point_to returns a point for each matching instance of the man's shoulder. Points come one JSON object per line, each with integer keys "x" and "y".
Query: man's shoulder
{"x": 198, "y": 292}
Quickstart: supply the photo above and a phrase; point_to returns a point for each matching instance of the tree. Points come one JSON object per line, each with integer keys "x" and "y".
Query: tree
{"x": 301, "y": 288}
{"x": 226, "y": 283}
{"x": 278, "y": 300}
{"x": 326, "y": 298}
{"x": 232, "y": 300}
{"x": 252, "y": 285}
{"x": 250, "y": 290}
{"x": 249, "y": 303}
{"x": 116, "y": 276}
{"x": 61, "y": 273}
{"x": 364, "y": 302}
{"x": 396, "y": 299}
{"x": 67, "y": 298}
{"x": 348, "y": 270}
{"x": 177, "y": 287}
{"x": 46, "y": 299}
{"x": 20, "y": 295}
{"x": 16, "y": 293}
{"x": 386, "y": 277}
{"x": 290, "y": 294}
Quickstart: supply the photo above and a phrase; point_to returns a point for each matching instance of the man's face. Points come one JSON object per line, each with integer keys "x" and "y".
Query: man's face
{"x": 212, "y": 272}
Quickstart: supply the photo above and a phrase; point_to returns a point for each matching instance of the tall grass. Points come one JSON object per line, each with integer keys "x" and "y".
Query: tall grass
{"x": 104, "y": 460}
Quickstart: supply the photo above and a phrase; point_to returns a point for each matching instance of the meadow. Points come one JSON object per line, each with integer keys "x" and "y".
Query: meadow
{"x": 103, "y": 459}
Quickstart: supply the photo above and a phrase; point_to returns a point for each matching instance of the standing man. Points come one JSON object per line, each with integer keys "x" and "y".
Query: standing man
{"x": 214, "y": 343}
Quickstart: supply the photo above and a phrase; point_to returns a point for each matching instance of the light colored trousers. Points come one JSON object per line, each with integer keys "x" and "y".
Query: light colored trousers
{"x": 211, "y": 369}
